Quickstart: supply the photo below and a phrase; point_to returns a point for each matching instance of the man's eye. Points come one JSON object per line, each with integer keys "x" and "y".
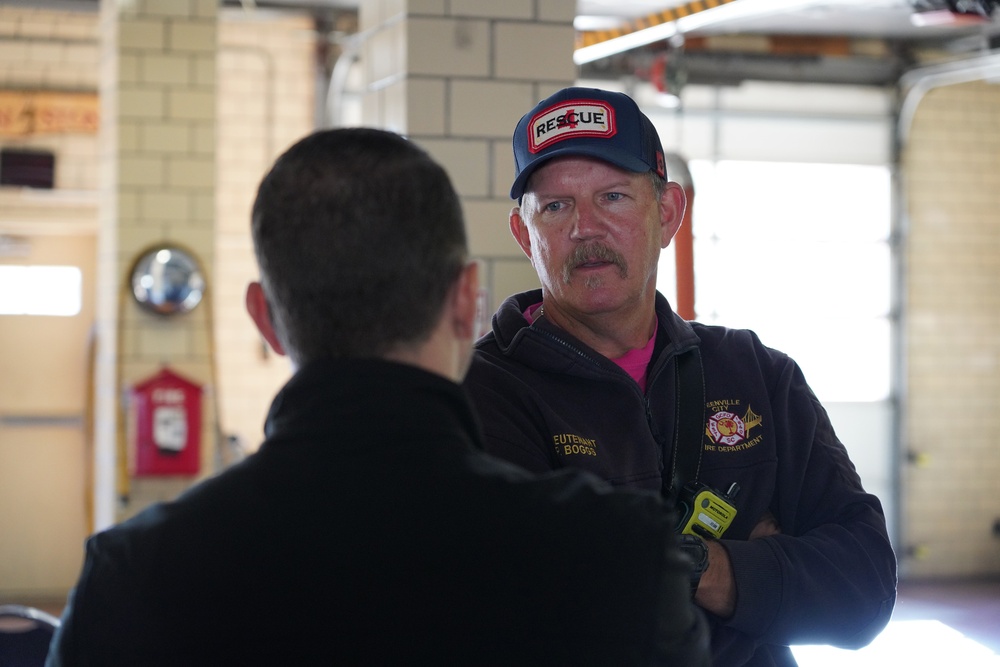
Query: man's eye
{"x": 615, "y": 196}
{"x": 553, "y": 206}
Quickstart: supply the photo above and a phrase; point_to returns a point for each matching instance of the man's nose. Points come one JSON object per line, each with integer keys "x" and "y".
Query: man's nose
{"x": 587, "y": 222}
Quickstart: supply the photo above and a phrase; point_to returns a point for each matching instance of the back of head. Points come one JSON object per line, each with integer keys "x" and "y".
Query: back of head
{"x": 359, "y": 235}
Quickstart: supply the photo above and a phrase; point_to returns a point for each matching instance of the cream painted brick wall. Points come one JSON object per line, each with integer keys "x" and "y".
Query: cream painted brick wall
{"x": 141, "y": 103}
{"x": 427, "y": 117}
{"x": 266, "y": 102}
{"x": 448, "y": 47}
{"x": 542, "y": 52}
{"x": 467, "y": 163}
{"x": 509, "y": 9}
{"x": 556, "y": 10}
{"x": 142, "y": 35}
{"x": 188, "y": 36}
{"x": 165, "y": 8}
{"x": 487, "y": 108}
{"x": 489, "y": 229}
{"x": 50, "y": 50}
{"x": 503, "y": 169}
{"x": 165, "y": 137}
{"x": 164, "y": 206}
{"x": 952, "y": 179}
{"x": 190, "y": 104}
{"x": 157, "y": 106}
{"x": 141, "y": 171}
{"x": 189, "y": 174}
{"x": 511, "y": 276}
{"x": 167, "y": 68}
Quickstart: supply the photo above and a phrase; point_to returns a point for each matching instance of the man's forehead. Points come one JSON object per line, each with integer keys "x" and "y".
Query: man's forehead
{"x": 569, "y": 165}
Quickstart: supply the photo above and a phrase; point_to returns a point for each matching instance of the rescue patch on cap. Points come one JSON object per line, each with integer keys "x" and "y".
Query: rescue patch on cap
{"x": 571, "y": 119}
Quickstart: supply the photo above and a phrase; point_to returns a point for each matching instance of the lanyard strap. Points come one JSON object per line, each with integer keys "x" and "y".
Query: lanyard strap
{"x": 689, "y": 423}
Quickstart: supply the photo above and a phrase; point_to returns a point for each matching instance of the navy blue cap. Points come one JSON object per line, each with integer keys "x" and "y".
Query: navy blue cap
{"x": 585, "y": 121}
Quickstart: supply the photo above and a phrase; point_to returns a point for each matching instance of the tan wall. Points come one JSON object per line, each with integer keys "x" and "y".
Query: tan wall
{"x": 49, "y": 50}
{"x": 44, "y": 451}
{"x": 157, "y": 159}
{"x": 266, "y": 102}
{"x": 951, "y": 175}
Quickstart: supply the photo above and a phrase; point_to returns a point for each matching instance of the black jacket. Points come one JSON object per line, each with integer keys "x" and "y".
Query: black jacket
{"x": 547, "y": 402}
{"x": 368, "y": 530}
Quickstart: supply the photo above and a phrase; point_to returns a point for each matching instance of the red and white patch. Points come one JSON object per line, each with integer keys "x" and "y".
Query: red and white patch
{"x": 571, "y": 119}
{"x": 726, "y": 428}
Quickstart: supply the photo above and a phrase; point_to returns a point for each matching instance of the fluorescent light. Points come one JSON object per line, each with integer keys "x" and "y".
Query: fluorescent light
{"x": 735, "y": 9}
{"x": 632, "y": 40}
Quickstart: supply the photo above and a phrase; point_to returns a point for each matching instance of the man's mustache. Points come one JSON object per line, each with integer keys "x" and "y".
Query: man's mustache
{"x": 592, "y": 252}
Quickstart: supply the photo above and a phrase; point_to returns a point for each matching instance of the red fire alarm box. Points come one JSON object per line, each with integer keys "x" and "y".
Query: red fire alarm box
{"x": 167, "y": 430}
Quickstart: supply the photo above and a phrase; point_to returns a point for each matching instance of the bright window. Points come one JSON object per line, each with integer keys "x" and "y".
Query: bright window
{"x": 40, "y": 290}
{"x": 800, "y": 254}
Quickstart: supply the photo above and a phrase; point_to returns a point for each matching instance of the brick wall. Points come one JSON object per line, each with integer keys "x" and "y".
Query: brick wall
{"x": 266, "y": 69}
{"x": 951, "y": 176}
{"x": 56, "y": 51}
{"x": 456, "y": 77}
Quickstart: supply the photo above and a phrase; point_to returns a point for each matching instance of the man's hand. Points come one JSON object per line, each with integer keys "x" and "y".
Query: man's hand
{"x": 717, "y": 590}
{"x": 767, "y": 525}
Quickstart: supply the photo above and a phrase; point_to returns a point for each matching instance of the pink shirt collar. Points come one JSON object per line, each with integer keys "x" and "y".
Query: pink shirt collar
{"x": 633, "y": 362}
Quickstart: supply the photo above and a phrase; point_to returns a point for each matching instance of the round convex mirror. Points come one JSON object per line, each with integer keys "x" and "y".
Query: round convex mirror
{"x": 167, "y": 281}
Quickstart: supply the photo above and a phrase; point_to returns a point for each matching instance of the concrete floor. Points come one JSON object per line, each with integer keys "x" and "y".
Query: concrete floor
{"x": 933, "y": 623}
{"x": 971, "y": 607}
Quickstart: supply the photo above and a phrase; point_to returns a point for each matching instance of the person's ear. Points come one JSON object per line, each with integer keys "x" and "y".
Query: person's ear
{"x": 519, "y": 228}
{"x": 260, "y": 313}
{"x": 465, "y": 302}
{"x": 673, "y": 204}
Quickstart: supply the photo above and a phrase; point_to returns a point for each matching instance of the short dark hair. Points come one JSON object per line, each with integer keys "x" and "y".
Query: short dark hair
{"x": 359, "y": 236}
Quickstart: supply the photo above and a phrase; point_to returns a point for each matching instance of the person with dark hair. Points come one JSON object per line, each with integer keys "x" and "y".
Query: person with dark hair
{"x": 594, "y": 371}
{"x": 370, "y": 528}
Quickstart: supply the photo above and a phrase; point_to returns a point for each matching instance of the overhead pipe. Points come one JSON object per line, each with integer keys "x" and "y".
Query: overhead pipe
{"x": 916, "y": 83}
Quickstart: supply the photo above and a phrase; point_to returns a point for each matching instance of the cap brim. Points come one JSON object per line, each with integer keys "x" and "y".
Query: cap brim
{"x": 622, "y": 159}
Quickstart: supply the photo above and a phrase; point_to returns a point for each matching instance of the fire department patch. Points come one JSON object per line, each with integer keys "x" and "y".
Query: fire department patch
{"x": 728, "y": 428}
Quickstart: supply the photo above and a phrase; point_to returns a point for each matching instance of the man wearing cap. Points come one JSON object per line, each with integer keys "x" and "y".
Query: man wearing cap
{"x": 595, "y": 371}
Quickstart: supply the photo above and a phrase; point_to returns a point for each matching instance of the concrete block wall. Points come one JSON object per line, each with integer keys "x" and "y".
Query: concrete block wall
{"x": 456, "y": 77}
{"x": 266, "y": 101}
{"x": 951, "y": 177}
{"x": 158, "y": 105}
{"x": 52, "y": 51}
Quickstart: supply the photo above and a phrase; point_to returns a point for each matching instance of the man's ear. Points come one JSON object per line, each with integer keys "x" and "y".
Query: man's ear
{"x": 673, "y": 204}
{"x": 520, "y": 230}
{"x": 260, "y": 313}
{"x": 465, "y": 302}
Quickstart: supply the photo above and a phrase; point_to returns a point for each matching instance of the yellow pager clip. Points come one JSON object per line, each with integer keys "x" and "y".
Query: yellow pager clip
{"x": 706, "y": 513}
